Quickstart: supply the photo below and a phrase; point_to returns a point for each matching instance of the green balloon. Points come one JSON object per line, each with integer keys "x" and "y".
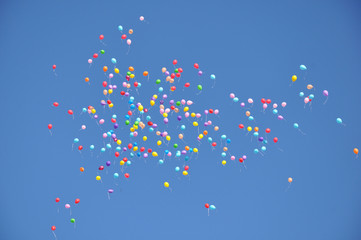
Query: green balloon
{"x": 127, "y": 122}
{"x": 102, "y": 51}
{"x": 72, "y": 220}
{"x": 128, "y": 73}
{"x": 175, "y": 145}
{"x": 158, "y": 81}
{"x": 136, "y": 123}
{"x": 178, "y": 103}
{"x": 199, "y": 87}
{"x": 176, "y": 70}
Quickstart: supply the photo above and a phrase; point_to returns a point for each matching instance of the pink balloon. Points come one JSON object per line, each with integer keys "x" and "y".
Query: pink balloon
{"x": 124, "y": 84}
{"x": 198, "y": 115}
{"x": 183, "y": 102}
{"x": 135, "y": 134}
{"x": 306, "y": 100}
{"x": 275, "y": 105}
{"x": 232, "y": 95}
{"x": 90, "y": 60}
{"x": 101, "y": 121}
{"x": 129, "y": 42}
{"x": 186, "y": 114}
{"x": 111, "y": 75}
{"x": 169, "y": 154}
{"x": 89, "y": 111}
{"x": 165, "y": 134}
{"x": 67, "y": 205}
{"x": 83, "y": 127}
{"x": 167, "y": 110}
{"x": 209, "y": 122}
{"x": 105, "y": 135}
{"x": 161, "y": 111}
{"x": 265, "y": 105}
{"x": 250, "y": 100}
{"x": 141, "y": 18}
{"x": 233, "y": 157}
{"x": 284, "y": 104}
{"x": 216, "y": 111}
{"x": 189, "y": 102}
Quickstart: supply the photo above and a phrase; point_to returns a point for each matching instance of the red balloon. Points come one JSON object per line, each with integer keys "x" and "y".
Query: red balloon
{"x": 145, "y": 110}
{"x": 130, "y": 145}
{"x": 210, "y": 110}
{"x": 142, "y": 149}
{"x": 180, "y": 70}
{"x": 172, "y": 107}
{"x": 122, "y": 93}
{"x": 105, "y": 84}
{"x": 125, "y": 159}
{"x": 77, "y": 201}
{"x": 241, "y": 126}
{"x": 275, "y": 139}
{"x": 130, "y": 113}
{"x": 54, "y": 66}
{"x": 241, "y": 160}
{"x": 70, "y": 112}
{"x": 173, "y": 88}
{"x": 57, "y": 199}
{"x": 263, "y": 100}
{"x": 53, "y": 228}
{"x": 126, "y": 175}
{"x": 80, "y": 147}
{"x": 101, "y": 168}
{"x": 172, "y": 75}
{"x": 135, "y": 84}
{"x": 150, "y": 123}
{"x": 149, "y": 150}
{"x": 101, "y": 37}
{"x": 124, "y": 36}
{"x": 50, "y": 126}
{"x": 268, "y": 130}
{"x": 117, "y": 154}
{"x": 214, "y": 144}
{"x": 95, "y": 55}
{"x": 113, "y": 120}
{"x": 268, "y": 101}
{"x": 206, "y": 205}
{"x": 187, "y": 84}
{"x": 55, "y": 104}
{"x": 109, "y": 102}
{"x": 196, "y": 66}
{"x": 186, "y": 168}
{"x": 175, "y": 62}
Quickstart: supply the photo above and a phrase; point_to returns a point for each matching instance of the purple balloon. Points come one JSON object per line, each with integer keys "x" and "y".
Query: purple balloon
{"x": 200, "y": 73}
{"x": 124, "y": 149}
{"x": 154, "y": 125}
{"x": 184, "y": 152}
{"x": 325, "y": 93}
{"x": 280, "y": 117}
{"x": 242, "y": 104}
{"x": 171, "y": 102}
{"x": 108, "y": 163}
{"x": 114, "y": 136}
{"x": 102, "y": 102}
{"x": 166, "y": 73}
{"x": 244, "y": 157}
{"x": 152, "y": 98}
{"x": 110, "y": 86}
{"x": 205, "y": 124}
{"x": 114, "y": 86}
{"x": 126, "y": 94}
{"x": 165, "y": 120}
{"x": 165, "y": 96}
{"x": 95, "y": 116}
{"x": 206, "y": 112}
{"x": 260, "y": 139}
{"x": 161, "y": 101}
{"x": 110, "y": 191}
{"x": 138, "y": 104}
{"x": 116, "y": 125}
{"x": 179, "y": 118}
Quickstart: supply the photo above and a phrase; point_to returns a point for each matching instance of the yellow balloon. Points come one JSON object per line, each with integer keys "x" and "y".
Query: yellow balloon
{"x": 132, "y": 129}
{"x": 93, "y": 111}
{"x": 249, "y": 129}
{"x": 166, "y": 184}
{"x": 200, "y": 136}
{"x": 110, "y": 91}
{"x": 132, "y": 75}
{"x": 98, "y": 178}
{"x": 119, "y": 142}
{"x": 145, "y": 138}
{"x": 167, "y": 138}
{"x": 193, "y": 114}
{"x": 294, "y": 78}
{"x": 155, "y": 96}
{"x": 195, "y": 124}
{"x": 185, "y": 173}
{"x": 111, "y": 105}
{"x": 195, "y": 150}
{"x": 224, "y": 162}
{"x": 165, "y": 114}
{"x": 186, "y": 109}
{"x": 309, "y": 86}
{"x": 135, "y": 127}
{"x": 152, "y": 103}
{"x": 116, "y": 70}
{"x": 140, "y": 108}
{"x": 159, "y": 142}
{"x": 121, "y": 162}
{"x": 135, "y": 148}
{"x": 154, "y": 154}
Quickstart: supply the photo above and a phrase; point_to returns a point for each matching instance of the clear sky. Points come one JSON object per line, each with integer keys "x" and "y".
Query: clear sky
{"x": 253, "y": 48}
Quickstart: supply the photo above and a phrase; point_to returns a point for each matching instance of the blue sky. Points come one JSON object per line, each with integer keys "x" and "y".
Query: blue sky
{"x": 253, "y": 47}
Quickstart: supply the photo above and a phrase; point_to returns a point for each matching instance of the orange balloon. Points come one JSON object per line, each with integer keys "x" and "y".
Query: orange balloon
{"x": 130, "y": 31}
{"x": 216, "y": 128}
{"x": 248, "y": 113}
{"x": 205, "y": 132}
{"x": 355, "y": 150}
{"x": 225, "y": 149}
{"x": 309, "y": 86}
{"x": 164, "y": 69}
{"x": 256, "y": 129}
{"x": 186, "y": 148}
{"x": 105, "y": 68}
{"x": 81, "y": 169}
{"x": 290, "y": 179}
{"x": 87, "y": 79}
{"x": 145, "y": 73}
{"x": 131, "y": 69}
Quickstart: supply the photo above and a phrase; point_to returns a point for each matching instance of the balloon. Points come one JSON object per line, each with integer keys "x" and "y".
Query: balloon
{"x": 206, "y": 205}
{"x": 72, "y": 220}
{"x": 50, "y": 126}
{"x": 294, "y": 78}
{"x": 175, "y": 62}
{"x": 303, "y": 67}
{"x": 166, "y": 184}
{"x": 325, "y": 93}
{"x": 141, "y": 18}
{"x": 101, "y": 37}
{"x": 95, "y": 55}
{"x": 70, "y": 112}
{"x": 355, "y": 150}
{"x": 126, "y": 175}
{"x": 224, "y": 162}
{"x": 90, "y": 60}
{"x": 250, "y": 100}
{"x": 53, "y": 228}
{"x": 213, "y": 77}
{"x": 81, "y": 169}
{"x": 67, "y": 205}
{"x": 268, "y": 130}
{"x": 284, "y": 104}
{"x": 130, "y": 31}
{"x": 98, "y": 178}
{"x": 54, "y": 66}
{"x": 200, "y": 87}
{"x": 290, "y": 179}
{"x": 58, "y": 199}
{"x": 185, "y": 173}
{"x": 306, "y": 100}
{"x": 295, "y": 125}
{"x": 56, "y": 104}
{"x": 275, "y": 139}
{"x": 309, "y": 86}
{"x": 339, "y": 120}
{"x": 77, "y": 201}
{"x": 212, "y": 207}
{"x": 124, "y": 36}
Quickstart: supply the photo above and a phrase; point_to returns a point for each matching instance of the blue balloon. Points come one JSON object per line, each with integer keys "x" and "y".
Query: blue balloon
{"x": 118, "y": 149}
{"x": 186, "y": 158}
{"x": 177, "y": 169}
{"x": 228, "y": 140}
{"x": 302, "y": 94}
{"x": 102, "y": 149}
{"x": 263, "y": 148}
{"x": 148, "y": 118}
{"x": 275, "y": 111}
{"x": 161, "y": 161}
{"x": 127, "y": 116}
{"x": 183, "y": 127}
{"x": 224, "y": 154}
{"x": 160, "y": 89}
{"x": 84, "y": 109}
{"x": 76, "y": 140}
{"x": 109, "y": 134}
{"x": 131, "y": 154}
{"x": 120, "y": 28}
{"x": 132, "y": 106}
{"x": 92, "y": 147}
{"x": 250, "y": 118}
{"x": 311, "y": 96}
{"x": 131, "y": 134}
{"x": 235, "y": 99}
{"x": 129, "y": 162}
{"x": 109, "y": 146}
{"x": 295, "y": 125}
{"x": 116, "y": 175}
{"x": 131, "y": 98}
{"x": 139, "y": 85}
{"x": 212, "y": 207}
{"x": 223, "y": 137}
{"x": 138, "y": 154}
{"x": 151, "y": 129}
{"x": 213, "y": 76}
{"x": 210, "y": 139}
{"x": 339, "y": 120}
{"x": 303, "y": 67}
{"x": 114, "y": 61}
{"x": 255, "y": 134}
{"x": 114, "y": 116}
{"x": 256, "y": 151}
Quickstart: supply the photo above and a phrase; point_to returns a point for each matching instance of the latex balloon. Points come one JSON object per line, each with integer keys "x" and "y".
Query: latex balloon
{"x": 50, "y": 126}
{"x": 101, "y": 37}
{"x": 206, "y": 205}
{"x": 166, "y": 184}
{"x": 303, "y": 67}
{"x": 290, "y": 180}
{"x": 339, "y": 120}
{"x": 325, "y": 93}
{"x": 294, "y": 78}
{"x": 58, "y": 199}
{"x": 355, "y": 150}
{"x": 77, "y": 201}
{"x": 54, "y": 66}
{"x": 53, "y": 228}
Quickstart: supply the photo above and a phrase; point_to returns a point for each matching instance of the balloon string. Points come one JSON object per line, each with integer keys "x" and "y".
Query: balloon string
{"x": 54, "y": 235}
